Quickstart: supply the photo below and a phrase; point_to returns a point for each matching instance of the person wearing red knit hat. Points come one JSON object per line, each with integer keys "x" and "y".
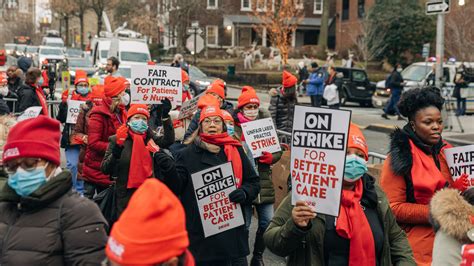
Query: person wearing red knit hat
{"x": 283, "y": 101}
{"x": 211, "y": 146}
{"x": 364, "y": 233}
{"x": 248, "y": 110}
{"x": 151, "y": 230}
{"x": 38, "y": 208}
{"x": 104, "y": 120}
{"x": 129, "y": 155}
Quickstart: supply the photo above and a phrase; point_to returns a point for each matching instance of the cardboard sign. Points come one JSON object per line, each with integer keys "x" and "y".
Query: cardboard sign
{"x": 318, "y": 155}
{"x": 212, "y": 188}
{"x": 31, "y": 112}
{"x": 461, "y": 161}
{"x": 261, "y": 136}
{"x": 93, "y": 81}
{"x": 151, "y": 83}
{"x": 73, "y": 109}
{"x": 189, "y": 108}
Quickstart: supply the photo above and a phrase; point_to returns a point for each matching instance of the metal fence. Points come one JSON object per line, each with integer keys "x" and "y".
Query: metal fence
{"x": 53, "y": 106}
{"x": 374, "y": 158}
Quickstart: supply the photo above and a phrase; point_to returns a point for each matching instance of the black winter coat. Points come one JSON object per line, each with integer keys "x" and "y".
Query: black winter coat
{"x": 230, "y": 244}
{"x": 53, "y": 226}
{"x": 27, "y": 98}
{"x": 282, "y": 110}
{"x": 395, "y": 81}
{"x": 118, "y": 167}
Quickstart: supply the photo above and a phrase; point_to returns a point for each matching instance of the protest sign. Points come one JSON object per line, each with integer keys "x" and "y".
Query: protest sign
{"x": 151, "y": 83}
{"x": 30, "y": 112}
{"x": 212, "y": 187}
{"x": 93, "y": 81}
{"x": 66, "y": 80}
{"x": 261, "y": 136}
{"x": 461, "y": 161}
{"x": 318, "y": 155}
{"x": 189, "y": 107}
{"x": 73, "y": 109}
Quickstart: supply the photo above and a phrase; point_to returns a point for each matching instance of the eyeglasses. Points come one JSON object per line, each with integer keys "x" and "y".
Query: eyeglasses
{"x": 215, "y": 121}
{"x": 29, "y": 164}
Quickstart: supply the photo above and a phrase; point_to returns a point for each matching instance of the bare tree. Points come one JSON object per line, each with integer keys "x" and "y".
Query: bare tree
{"x": 81, "y": 8}
{"x": 323, "y": 33}
{"x": 368, "y": 44}
{"x": 65, "y": 9}
{"x": 460, "y": 34}
{"x": 280, "y": 19}
{"x": 99, "y": 6}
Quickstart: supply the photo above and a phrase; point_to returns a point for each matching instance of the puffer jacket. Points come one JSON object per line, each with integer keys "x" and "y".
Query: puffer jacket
{"x": 450, "y": 216}
{"x": 306, "y": 247}
{"x": 80, "y": 132}
{"x": 282, "y": 110}
{"x": 53, "y": 226}
{"x": 27, "y": 98}
{"x": 267, "y": 192}
{"x": 316, "y": 82}
{"x": 102, "y": 125}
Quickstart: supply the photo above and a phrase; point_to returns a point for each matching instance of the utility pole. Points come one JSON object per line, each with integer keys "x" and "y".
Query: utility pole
{"x": 439, "y": 50}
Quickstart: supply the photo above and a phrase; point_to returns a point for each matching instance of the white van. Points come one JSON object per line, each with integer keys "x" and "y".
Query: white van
{"x": 52, "y": 41}
{"x": 128, "y": 51}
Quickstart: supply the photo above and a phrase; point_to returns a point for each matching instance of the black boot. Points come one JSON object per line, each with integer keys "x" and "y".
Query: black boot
{"x": 258, "y": 248}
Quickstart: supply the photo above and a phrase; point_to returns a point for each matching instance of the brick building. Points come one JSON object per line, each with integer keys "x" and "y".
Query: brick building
{"x": 17, "y": 17}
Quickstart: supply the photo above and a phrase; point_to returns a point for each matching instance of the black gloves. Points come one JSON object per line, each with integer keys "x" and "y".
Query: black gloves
{"x": 237, "y": 196}
{"x": 166, "y": 108}
{"x": 164, "y": 162}
{"x": 117, "y": 151}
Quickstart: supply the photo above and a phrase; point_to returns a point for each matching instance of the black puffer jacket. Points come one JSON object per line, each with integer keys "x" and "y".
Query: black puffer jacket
{"x": 53, "y": 226}
{"x": 27, "y": 98}
{"x": 282, "y": 110}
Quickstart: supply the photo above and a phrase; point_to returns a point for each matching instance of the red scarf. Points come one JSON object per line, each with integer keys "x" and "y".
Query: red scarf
{"x": 42, "y": 99}
{"x": 141, "y": 165}
{"x": 426, "y": 177}
{"x": 230, "y": 150}
{"x": 353, "y": 225}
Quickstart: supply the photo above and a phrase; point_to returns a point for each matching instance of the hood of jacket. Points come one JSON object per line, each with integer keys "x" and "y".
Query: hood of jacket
{"x": 450, "y": 212}
{"x": 400, "y": 150}
{"x": 55, "y": 188}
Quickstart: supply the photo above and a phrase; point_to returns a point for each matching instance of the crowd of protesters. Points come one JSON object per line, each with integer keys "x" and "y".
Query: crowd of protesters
{"x": 143, "y": 156}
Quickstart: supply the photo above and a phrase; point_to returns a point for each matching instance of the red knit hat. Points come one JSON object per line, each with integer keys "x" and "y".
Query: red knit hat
{"x": 113, "y": 86}
{"x": 217, "y": 87}
{"x": 248, "y": 96}
{"x": 184, "y": 76}
{"x": 289, "y": 80}
{"x": 151, "y": 230}
{"x": 138, "y": 109}
{"x": 81, "y": 76}
{"x": 357, "y": 140}
{"x": 207, "y": 100}
{"x": 35, "y": 138}
{"x": 227, "y": 116}
{"x": 3, "y": 78}
{"x": 209, "y": 111}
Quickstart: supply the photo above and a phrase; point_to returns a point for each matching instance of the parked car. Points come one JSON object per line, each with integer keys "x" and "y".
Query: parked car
{"x": 356, "y": 86}
{"x": 79, "y": 63}
{"x": 198, "y": 80}
{"x": 74, "y": 52}
{"x": 52, "y": 41}
{"x": 52, "y": 54}
{"x": 10, "y": 48}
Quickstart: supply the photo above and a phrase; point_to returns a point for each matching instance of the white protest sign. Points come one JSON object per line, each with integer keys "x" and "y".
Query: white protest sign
{"x": 30, "y": 112}
{"x": 261, "y": 136}
{"x": 189, "y": 107}
{"x": 461, "y": 161}
{"x": 73, "y": 109}
{"x": 212, "y": 187}
{"x": 151, "y": 83}
{"x": 318, "y": 155}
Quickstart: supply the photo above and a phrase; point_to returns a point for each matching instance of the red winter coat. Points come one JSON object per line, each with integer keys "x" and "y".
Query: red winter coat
{"x": 102, "y": 125}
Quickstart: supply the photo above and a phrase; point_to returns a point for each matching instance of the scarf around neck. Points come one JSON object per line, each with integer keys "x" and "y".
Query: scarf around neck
{"x": 141, "y": 164}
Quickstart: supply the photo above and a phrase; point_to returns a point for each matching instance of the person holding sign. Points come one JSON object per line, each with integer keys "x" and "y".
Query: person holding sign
{"x": 81, "y": 93}
{"x": 104, "y": 120}
{"x": 416, "y": 168}
{"x": 365, "y": 233}
{"x": 248, "y": 110}
{"x": 211, "y": 146}
{"x": 129, "y": 156}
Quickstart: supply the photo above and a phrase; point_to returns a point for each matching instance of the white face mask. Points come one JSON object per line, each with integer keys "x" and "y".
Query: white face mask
{"x": 251, "y": 114}
{"x": 399, "y": 69}
{"x": 125, "y": 99}
{"x": 4, "y": 90}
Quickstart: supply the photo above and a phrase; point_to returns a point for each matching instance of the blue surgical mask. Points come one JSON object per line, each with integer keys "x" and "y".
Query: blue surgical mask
{"x": 185, "y": 87}
{"x": 82, "y": 90}
{"x": 40, "y": 82}
{"x": 26, "y": 182}
{"x": 230, "y": 129}
{"x": 139, "y": 126}
{"x": 355, "y": 168}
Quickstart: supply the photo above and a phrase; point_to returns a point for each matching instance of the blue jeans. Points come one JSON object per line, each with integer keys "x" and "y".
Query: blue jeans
{"x": 264, "y": 213}
{"x": 72, "y": 157}
{"x": 393, "y": 102}
{"x": 461, "y": 106}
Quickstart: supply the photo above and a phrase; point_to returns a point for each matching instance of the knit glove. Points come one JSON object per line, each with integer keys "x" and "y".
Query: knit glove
{"x": 166, "y": 108}
{"x": 163, "y": 161}
{"x": 462, "y": 183}
{"x": 237, "y": 196}
{"x": 266, "y": 158}
{"x": 152, "y": 146}
{"x": 117, "y": 151}
{"x": 121, "y": 135}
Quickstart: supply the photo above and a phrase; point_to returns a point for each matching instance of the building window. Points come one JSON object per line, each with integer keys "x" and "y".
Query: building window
{"x": 211, "y": 33}
{"x": 211, "y": 4}
{"x": 361, "y": 8}
{"x": 23, "y": 6}
{"x": 345, "y": 9}
{"x": 318, "y": 7}
{"x": 246, "y": 5}
{"x": 261, "y": 5}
